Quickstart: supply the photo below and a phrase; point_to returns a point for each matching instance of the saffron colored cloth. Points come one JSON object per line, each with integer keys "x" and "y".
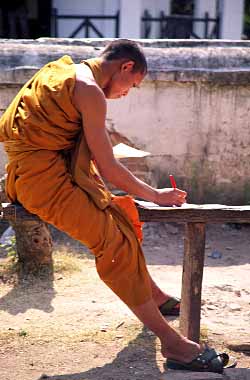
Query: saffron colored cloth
{"x": 128, "y": 206}
{"x": 51, "y": 173}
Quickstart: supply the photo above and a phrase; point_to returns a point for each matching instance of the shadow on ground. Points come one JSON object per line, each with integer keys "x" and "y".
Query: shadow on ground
{"x": 33, "y": 294}
{"x": 136, "y": 361}
{"x": 163, "y": 244}
{"x": 226, "y": 244}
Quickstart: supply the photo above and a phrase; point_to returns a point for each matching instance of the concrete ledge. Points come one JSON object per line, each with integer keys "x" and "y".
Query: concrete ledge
{"x": 225, "y": 62}
{"x": 19, "y": 75}
{"x": 218, "y": 77}
{"x": 156, "y": 43}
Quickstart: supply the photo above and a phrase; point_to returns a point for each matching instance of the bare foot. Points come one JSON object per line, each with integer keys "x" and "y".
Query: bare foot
{"x": 181, "y": 349}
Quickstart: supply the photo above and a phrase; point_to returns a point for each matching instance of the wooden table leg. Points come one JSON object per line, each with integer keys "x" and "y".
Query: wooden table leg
{"x": 194, "y": 250}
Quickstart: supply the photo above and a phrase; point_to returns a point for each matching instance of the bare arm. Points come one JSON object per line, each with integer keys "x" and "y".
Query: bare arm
{"x": 91, "y": 103}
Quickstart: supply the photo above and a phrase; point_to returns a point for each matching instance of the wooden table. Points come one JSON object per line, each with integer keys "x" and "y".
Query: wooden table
{"x": 195, "y": 218}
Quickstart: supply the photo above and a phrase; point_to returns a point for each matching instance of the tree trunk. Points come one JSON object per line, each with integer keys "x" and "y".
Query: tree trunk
{"x": 34, "y": 247}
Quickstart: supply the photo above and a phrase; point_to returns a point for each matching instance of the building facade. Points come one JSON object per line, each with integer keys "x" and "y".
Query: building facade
{"x": 171, "y": 19}
{"x": 152, "y": 19}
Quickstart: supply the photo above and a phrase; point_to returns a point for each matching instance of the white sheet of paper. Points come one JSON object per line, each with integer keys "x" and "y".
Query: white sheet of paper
{"x": 125, "y": 151}
{"x": 146, "y": 204}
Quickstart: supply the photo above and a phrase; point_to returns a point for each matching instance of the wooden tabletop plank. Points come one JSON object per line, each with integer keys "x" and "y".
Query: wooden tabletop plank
{"x": 149, "y": 212}
{"x": 207, "y": 213}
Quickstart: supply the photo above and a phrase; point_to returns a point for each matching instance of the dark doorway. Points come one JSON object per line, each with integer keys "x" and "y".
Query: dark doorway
{"x": 180, "y": 27}
{"x": 25, "y": 18}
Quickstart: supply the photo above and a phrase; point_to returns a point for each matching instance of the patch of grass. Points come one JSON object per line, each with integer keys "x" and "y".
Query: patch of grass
{"x": 65, "y": 262}
{"x": 125, "y": 335}
{"x": 10, "y": 248}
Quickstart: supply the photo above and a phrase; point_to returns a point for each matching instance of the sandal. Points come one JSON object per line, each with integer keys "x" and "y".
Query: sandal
{"x": 171, "y": 307}
{"x": 208, "y": 361}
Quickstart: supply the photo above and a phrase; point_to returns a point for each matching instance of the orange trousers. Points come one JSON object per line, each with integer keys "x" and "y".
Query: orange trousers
{"x": 45, "y": 187}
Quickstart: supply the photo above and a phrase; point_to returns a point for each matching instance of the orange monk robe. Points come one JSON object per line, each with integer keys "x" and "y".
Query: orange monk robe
{"x": 50, "y": 172}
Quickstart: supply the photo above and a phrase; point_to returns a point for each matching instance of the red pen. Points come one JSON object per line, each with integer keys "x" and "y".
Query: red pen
{"x": 172, "y": 180}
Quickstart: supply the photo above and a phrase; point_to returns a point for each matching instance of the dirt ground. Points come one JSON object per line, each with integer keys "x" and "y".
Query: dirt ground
{"x": 75, "y": 328}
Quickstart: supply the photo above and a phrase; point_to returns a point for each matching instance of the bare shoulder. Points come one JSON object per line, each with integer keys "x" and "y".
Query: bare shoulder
{"x": 87, "y": 93}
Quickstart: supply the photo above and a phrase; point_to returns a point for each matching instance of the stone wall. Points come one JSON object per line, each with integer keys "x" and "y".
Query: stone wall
{"x": 191, "y": 113}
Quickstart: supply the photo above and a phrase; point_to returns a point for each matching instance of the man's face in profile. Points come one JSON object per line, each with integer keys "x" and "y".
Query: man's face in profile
{"x": 122, "y": 81}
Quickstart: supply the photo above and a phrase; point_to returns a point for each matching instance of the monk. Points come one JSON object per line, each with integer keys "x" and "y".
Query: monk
{"x": 59, "y": 150}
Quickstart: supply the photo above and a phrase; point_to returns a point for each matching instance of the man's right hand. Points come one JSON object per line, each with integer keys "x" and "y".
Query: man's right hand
{"x": 170, "y": 197}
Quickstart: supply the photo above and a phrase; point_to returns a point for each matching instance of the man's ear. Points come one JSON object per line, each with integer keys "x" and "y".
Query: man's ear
{"x": 128, "y": 66}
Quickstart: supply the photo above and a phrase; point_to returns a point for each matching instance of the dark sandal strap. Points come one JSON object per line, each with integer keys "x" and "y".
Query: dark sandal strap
{"x": 169, "y": 305}
{"x": 225, "y": 360}
{"x": 208, "y": 361}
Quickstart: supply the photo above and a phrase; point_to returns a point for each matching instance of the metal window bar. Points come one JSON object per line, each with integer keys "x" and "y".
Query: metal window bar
{"x": 86, "y": 23}
{"x": 163, "y": 21}
{"x": 147, "y": 23}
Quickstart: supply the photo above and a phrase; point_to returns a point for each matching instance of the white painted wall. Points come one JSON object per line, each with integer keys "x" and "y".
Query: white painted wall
{"x": 200, "y": 8}
{"x": 232, "y": 19}
{"x": 130, "y": 13}
{"x": 110, "y": 7}
{"x": 86, "y": 7}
